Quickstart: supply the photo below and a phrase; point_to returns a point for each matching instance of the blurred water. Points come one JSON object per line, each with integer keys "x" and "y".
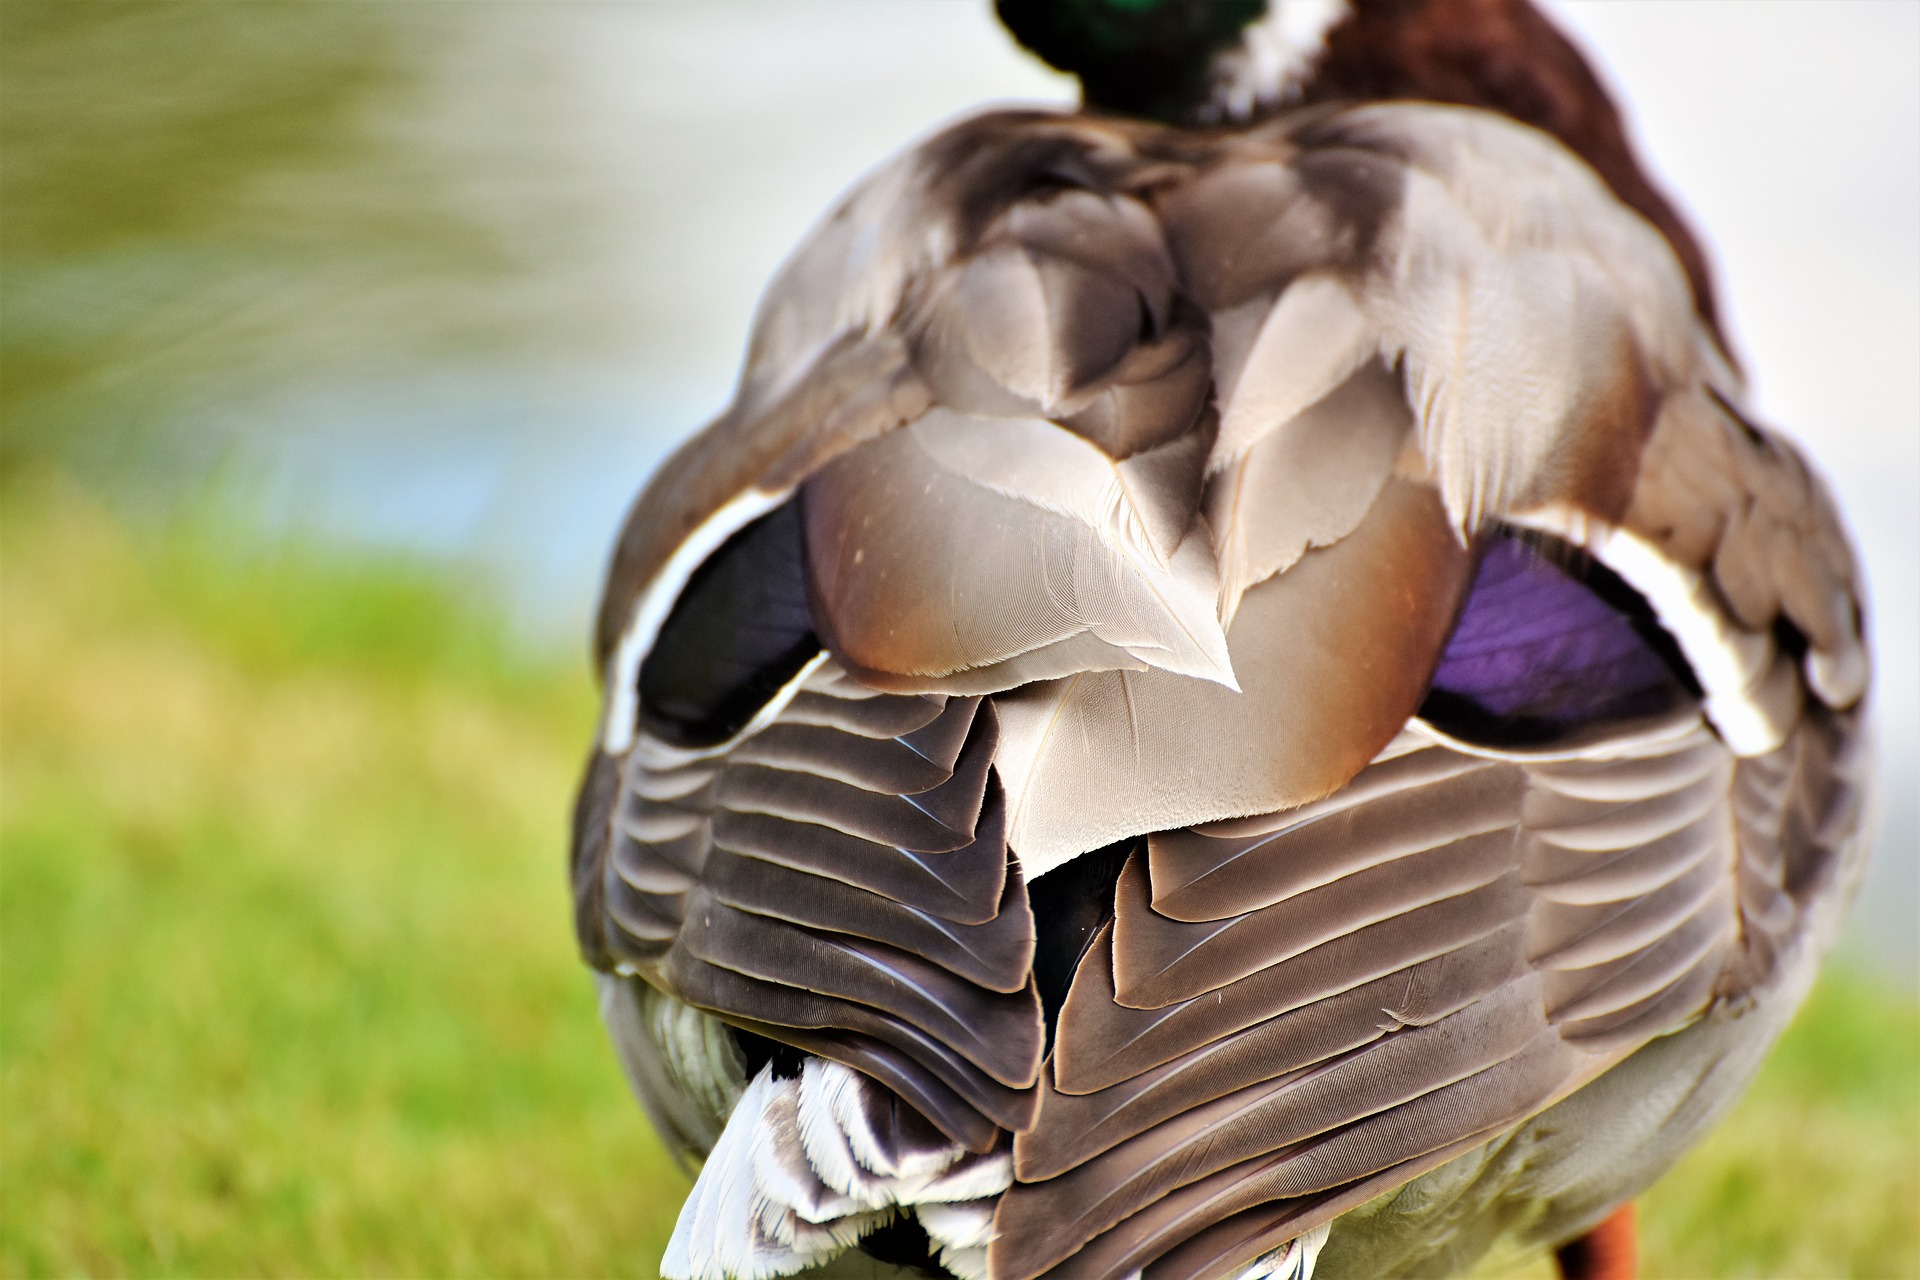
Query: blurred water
{"x": 454, "y": 278}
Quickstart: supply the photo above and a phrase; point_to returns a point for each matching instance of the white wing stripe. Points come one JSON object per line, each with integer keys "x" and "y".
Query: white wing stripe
{"x": 656, "y": 601}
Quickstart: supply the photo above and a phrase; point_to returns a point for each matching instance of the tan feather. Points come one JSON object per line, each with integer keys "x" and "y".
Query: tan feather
{"x": 1305, "y": 484}
{"x": 1326, "y": 680}
{"x": 1310, "y": 342}
{"x": 1061, "y": 570}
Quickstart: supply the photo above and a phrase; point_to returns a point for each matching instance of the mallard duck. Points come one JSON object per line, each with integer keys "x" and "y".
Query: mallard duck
{"x": 1238, "y": 692}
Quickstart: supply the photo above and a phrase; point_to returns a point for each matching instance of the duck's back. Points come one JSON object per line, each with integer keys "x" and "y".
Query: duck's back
{"x": 1211, "y": 680}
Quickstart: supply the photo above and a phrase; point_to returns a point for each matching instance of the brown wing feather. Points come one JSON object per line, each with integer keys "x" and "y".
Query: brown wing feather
{"x": 1103, "y": 1042}
{"x": 1075, "y": 1127}
{"x": 1723, "y": 496}
{"x": 842, "y": 888}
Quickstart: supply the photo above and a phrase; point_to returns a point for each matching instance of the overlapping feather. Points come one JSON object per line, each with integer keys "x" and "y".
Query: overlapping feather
{"x": 1141, "y": 480}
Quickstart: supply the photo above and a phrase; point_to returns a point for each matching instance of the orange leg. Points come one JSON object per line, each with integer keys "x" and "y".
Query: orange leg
{"x": 1605, "y": 1253}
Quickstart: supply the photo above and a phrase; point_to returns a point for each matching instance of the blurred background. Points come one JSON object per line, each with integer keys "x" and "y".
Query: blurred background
{"x": 335, "y": 339}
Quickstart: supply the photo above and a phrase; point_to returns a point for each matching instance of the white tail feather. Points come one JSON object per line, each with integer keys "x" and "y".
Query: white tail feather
{"x": 799, "y": 1175}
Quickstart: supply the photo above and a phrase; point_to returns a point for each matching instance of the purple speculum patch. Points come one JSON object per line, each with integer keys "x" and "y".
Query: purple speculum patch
{"x": 1551, "y": 646}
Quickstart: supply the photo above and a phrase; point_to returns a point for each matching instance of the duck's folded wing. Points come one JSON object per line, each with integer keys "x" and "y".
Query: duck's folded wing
{"x": 1290, "y": 1015}
{"x": 839, "y": 881}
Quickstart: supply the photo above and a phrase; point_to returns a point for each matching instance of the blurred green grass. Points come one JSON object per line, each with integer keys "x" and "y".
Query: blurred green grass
{"x": 287, "y": 983}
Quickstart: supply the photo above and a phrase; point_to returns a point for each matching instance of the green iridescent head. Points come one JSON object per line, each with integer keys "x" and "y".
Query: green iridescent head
{"x": 1138, "y": 57}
